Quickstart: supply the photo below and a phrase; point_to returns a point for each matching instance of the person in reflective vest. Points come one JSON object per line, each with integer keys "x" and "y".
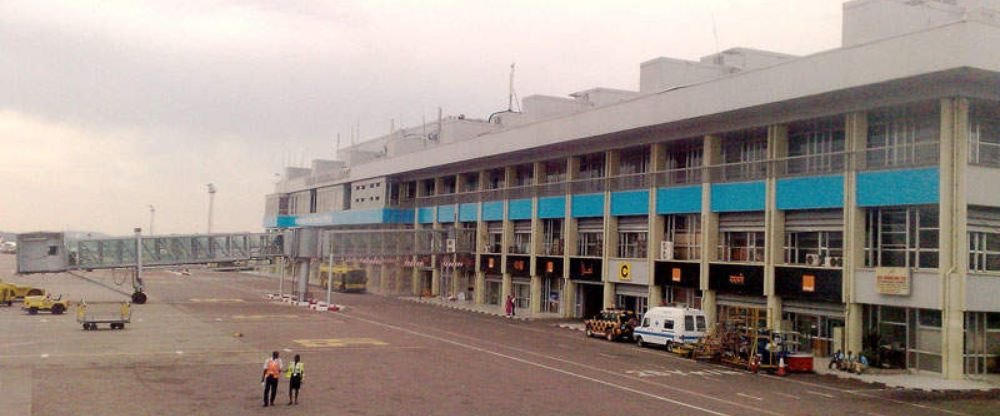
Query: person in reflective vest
{"x": 270, "y": 376}
{"x": 294, "y": 373}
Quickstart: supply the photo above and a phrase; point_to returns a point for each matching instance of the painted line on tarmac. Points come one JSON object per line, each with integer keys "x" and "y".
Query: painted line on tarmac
{"x": 609, "y": 372}
{"x": 855, "y": 393}
{"x": 547, "y": 367}
{"x": 759, "y": 399}
{"x": 790, "y": 396}
{"x": 828, "y": 396}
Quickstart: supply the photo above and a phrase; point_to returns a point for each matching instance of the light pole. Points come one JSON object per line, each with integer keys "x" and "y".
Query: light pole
{"x": 152, "y": 217}
{"x": 211, "y": 202}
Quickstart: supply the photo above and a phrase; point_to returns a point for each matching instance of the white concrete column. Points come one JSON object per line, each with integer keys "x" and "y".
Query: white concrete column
{"x": 953, "y": 235}
{"x": 774, "y": 224}
{"x": 856, "y": 139}
{"x": 711, "y": 155}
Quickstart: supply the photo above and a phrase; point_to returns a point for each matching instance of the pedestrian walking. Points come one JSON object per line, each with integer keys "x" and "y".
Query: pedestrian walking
{"x": 294, "y": 374}
{"x": 270, "y": 375}
{"x": 508, "y": 306}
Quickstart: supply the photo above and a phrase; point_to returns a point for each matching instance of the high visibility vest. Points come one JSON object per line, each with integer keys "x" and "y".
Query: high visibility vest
{"x": 273, "y": 368}
{"x": 296, "y": 369}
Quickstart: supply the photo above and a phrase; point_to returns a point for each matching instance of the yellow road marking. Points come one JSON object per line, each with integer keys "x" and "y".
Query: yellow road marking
{"x": 338, "y": 342}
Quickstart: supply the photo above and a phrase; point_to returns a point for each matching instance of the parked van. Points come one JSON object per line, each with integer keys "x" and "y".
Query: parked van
{"x": 670, "y": 325}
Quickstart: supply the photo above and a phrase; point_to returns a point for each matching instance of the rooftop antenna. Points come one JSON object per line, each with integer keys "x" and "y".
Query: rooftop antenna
{"x": 715, "y": 34}
{"x": 510, "y": 91}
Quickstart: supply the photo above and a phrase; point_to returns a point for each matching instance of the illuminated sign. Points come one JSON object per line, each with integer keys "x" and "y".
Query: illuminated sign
{"x": 675, "y": 274}
{"x": 808, "y": 283}
{"x": 737, "y": 279}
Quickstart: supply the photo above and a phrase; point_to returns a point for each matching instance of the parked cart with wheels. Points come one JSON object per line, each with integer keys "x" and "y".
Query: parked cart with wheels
{"x": 115, "y": 314}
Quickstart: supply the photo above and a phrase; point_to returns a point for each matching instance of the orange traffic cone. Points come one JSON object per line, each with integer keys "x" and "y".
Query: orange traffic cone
{"x": 781, "y": 367}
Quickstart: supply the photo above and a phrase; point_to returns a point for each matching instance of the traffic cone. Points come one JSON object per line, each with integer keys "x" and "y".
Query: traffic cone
{"x": 781, "y": 367}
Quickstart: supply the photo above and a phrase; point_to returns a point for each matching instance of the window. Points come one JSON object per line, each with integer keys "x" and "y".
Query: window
{"x": 902, "y": 237}
{"x": 427, "y": 185}
{"x": 53, "y": 250}
{"x": 496, "y": 179}
{"x": 590, "y": 243}
{"x": 632, "y": 235}
{"x": 689, "y": 323}
{"x": 816, "y": 146}
{"x": 447, "y": 185}
{"x": 701, "y": 323}
{"x": 552, "y": 241}
{"x": 984, "y": 251}
{"x": 470, "y": 182}
{"x": 645, "y": 322}
{"x": 684, "y": 231}
{"x": 522, "y": 238}
{"x": 903, "y": 136}
{"x": 592, "y": 166}
{"x": 984, "y": 134}
{"x": 524, "y": 175}
{"x": 814, "y": 248}
{"x": 742, "y": 246}
{"x": 668, "y": 324}
{"x": 631, "y": 245}
{"x": 555, "y": 171}
{"x": 494, "y": 238}
{"x": 684, "y": 162}
{"x": 633, "y": 161}
{"x": 744, "y": 154}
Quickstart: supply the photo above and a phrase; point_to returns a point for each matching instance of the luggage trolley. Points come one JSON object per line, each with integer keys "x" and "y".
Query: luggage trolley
{"x": 116, "y": 314}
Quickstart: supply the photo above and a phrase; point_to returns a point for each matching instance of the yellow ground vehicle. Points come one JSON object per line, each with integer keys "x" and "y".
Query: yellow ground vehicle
{"x": 21, "y": 291}
{"x": 56, "y": 305}
{"x": 6, "y": 295}
{"x": 346, "y": 278}
{"x": 612, "y": 324}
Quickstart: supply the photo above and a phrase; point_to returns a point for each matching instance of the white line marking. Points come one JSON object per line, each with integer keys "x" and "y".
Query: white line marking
{"x": 806, "y": 383}
{"x": 829, "y": 396}
{"x": 607, "y": 355}
{"x": 540, "y": 365}
{"x": 45, "y": 356}
{"x": 179, "y": 352}
{"x": 750, "y": 397}
{"x": 873, "y": 414}
{"x": 598, "y": 369}
{"x": 287, "y": 350}
{"x": 790, "y": 396}
{"x": 44, "y": 320}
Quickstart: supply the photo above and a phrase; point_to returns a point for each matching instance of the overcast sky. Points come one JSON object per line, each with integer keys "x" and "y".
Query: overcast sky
{"x": 109, "y": 107}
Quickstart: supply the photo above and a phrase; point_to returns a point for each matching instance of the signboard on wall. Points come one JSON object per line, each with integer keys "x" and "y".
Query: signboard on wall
{"x": 490, "y": 264}
{"x": 892, "y": 281}
{"x": 678, "y": 274}
{"x": 519, "y": 266}
{"x": 627, "y": 271}
{"x": 809, "y": 283}
{"x": 736, "y": 279}
{"x": 586, "y": 269}
{"x": 549, "y": 266}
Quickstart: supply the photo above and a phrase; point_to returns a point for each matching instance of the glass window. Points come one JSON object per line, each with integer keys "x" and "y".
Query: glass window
{"x": 742, "y": 246}
{"x": 689, "y": 323}
{"x": 984, "y": 252}
{"x": 552, "y": 241}
{"x": 701, "y": 323}
{"x": 744, "y": 155}
{"x": 668, "y": 324}
{"x": 633, "y": 161}
{"x": 590, "y": 244}
{"x": 903, "y": 136}
{"x": 592, "y": 166}
{"x": 632, "y": 244}
{"x": 816, "y": 146}
{"x": 816, "y": 248}
{"x": 684, "y": 163}
{"x": 684, "y": 231}
{"x": 555, "y": 171}
{"x": 984, "y": 134}
{"x": 902, "y": 237}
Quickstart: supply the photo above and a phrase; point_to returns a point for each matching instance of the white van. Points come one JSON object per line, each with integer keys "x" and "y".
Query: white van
{"x": 670, "y": 325}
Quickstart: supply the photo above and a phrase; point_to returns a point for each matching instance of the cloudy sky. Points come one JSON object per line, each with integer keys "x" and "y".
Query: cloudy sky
{"x": 109, "y": 107}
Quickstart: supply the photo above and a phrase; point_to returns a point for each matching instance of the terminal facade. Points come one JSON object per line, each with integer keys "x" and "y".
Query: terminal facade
{"x": 852, "y": 195}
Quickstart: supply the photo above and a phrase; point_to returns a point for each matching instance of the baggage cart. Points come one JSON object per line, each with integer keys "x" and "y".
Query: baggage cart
{"x": 115, "y": 314}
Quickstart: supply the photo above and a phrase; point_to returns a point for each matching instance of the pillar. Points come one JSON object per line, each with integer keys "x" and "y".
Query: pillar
{"x": 303, "y": 281}
{"x": 658, "y": 162}
{"x": 480, "y": 288}
{"x": 536, "y": 294}
{"x": 774, "y": 225}
{"x": 856, "y": 138}
{"x": 711, "y": 155}
{"x": 953, "y": 235}
{"x": 436, "y": 279}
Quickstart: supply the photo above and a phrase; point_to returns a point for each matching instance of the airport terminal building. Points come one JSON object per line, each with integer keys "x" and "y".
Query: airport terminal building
{"x": 851, "y": 195}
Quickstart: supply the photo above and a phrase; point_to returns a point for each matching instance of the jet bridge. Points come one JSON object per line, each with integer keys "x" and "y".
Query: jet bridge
{"x": 53, "y": 253}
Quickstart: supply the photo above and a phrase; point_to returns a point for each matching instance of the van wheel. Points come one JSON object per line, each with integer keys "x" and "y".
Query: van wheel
{"x": 669, "y": 345}
{"x": 610, "y": 336}
{"x": 590, "y": 334}
{"x": 638, "y": 341}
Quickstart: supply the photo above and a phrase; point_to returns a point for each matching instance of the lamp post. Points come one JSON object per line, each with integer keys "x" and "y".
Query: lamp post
{"x": 152, "y": 217}
{"x": 211, "y": 202}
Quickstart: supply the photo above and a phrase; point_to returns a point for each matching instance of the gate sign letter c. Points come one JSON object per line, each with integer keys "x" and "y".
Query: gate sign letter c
{"x": 624, "y": 272}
